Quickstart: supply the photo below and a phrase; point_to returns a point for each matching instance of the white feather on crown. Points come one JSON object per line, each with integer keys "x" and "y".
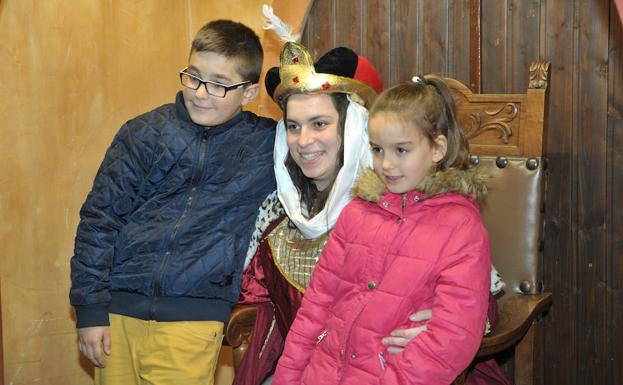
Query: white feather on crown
{"x": 283, "y": 30}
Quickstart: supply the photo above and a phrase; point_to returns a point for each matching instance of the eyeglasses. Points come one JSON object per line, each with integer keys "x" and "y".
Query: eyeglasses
{"x": 213, "y": 88}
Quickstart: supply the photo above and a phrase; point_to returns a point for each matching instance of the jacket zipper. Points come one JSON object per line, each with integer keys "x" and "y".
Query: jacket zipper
{"x": 403, "y": 205}
{"x": 197, "y": 177}
{"x": 321, "y": 336}
{"x": 350, "y": 330}
{"x": 382, "y": 360}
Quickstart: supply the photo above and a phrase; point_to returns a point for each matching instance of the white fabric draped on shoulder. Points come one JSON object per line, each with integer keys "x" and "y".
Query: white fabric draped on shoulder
{"x": 356, "y": 157}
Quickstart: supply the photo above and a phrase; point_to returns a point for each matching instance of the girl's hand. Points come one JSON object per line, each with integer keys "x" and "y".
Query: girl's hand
{"x": 400, "y": 338}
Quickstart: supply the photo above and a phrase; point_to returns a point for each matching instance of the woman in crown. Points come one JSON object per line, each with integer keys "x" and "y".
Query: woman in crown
{"x": 321, "y": 145}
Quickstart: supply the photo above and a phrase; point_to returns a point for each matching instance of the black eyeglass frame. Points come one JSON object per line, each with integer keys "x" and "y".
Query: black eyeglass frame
{"x": 205, "y": 83}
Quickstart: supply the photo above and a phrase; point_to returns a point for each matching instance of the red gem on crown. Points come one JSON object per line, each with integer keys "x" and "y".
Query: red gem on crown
{"x": 326, "y": 86}
{"x": 295, "y": 59}
{"x": 295, "y": 79}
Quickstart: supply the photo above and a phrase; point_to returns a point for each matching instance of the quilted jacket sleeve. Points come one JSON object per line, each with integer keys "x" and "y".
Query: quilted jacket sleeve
{"x": 460, "y": 303}
{"x": 103, "y": 214}
{"x": 317, "y": 301}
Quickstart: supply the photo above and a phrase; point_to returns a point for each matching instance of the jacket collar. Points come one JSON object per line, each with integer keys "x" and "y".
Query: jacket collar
{"x": 470, "y": 183}
{"x": 182, "y": 113}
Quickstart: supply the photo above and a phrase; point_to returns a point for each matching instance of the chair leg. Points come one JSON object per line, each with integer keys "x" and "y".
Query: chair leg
{"x": 525, "y": 357}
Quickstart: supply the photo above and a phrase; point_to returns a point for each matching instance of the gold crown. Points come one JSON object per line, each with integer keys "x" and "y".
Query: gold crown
{"x": 298, "y": 76}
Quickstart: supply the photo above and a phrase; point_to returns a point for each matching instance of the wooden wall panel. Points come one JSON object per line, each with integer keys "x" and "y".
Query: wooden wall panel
{"x": 405, "y": 41}
{"x": 349, "y": 31}
{"x": 434, "y": 37}
{"x": 590, "y": 183}
{"x": 459, "y": 41}
{"x": 376, "y": 42}
{"x": 582, "y": 338}
{"x": 510, "y": 42}
{"x": 320, "y": 36}
{"x": 523, "y": 22}
{"x": 494, "y": 27}
{"x": 559, "y": 250}
{"x": 614, "y": 240}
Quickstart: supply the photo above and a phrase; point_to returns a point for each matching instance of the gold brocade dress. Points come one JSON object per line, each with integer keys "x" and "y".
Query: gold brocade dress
{"x": 275, "y": 282}
{"x": 294, "y": 255}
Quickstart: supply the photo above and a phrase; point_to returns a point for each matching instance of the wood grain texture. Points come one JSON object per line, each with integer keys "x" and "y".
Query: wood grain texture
{"x": 349, "y": 31}
{"x": 559, "y": 338}
{"x": 494, "y": 31}
{"x": 377, "y": 44}
{"x": 523, "y": 22}
{"x": 475, "y": 46}
{"x": 405, "y": 36}
{"x": 319, "y": 36}
{"x": 435, "y": 37}
{"x": 591, "y": 186}
{"x": 614, "y": 178}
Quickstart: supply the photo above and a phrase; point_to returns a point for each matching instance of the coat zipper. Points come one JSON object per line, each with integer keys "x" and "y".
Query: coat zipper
{"x": 382, "y": 360}
{"x": 403, "y": 205}
{"x": 381, "y": 357}
{"x": 321, "y": 336}
{"x": 197, "y": 177}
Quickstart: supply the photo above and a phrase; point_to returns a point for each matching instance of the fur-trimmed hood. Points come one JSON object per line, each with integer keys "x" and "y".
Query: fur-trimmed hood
{"x": 470, "y": 182}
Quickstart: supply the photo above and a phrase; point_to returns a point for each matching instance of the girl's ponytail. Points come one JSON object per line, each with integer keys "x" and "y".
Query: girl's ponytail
{"x": 457, "y": 155}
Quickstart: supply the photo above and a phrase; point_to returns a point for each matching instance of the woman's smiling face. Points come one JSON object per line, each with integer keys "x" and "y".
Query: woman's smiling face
{"x": 314, "y": 140}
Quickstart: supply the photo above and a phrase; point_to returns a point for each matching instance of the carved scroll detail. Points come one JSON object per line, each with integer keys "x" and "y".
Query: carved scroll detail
{"x": 539, "y": 71}
{"x": 503, "y": 116}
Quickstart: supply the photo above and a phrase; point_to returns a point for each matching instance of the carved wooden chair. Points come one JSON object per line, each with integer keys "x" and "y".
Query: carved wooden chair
{"x": 506, "y": 133}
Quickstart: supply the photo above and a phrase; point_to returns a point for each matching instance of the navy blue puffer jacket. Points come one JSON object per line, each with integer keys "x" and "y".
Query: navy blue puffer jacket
{"x": 164, "y": 231}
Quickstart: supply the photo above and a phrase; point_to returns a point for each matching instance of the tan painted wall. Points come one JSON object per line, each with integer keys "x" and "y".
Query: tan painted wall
{"x": 71, "y": 72}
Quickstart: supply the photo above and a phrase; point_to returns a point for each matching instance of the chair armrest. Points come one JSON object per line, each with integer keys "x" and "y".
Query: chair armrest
{"x": 239, "y": 331}
{"x": 240, "y": 325}
{"x": 516, "y": 316}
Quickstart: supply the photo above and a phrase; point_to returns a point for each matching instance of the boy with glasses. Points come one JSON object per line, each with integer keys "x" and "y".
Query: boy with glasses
{"x": 163, "y": 233}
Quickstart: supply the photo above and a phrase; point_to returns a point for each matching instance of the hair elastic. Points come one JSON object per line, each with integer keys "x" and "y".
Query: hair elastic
{"x": 419, "y": 79}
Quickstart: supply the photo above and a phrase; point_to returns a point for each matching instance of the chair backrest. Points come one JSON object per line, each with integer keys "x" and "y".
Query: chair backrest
{"x": 506, "y": 135}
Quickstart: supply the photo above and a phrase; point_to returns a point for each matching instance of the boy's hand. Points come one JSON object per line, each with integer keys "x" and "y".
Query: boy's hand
{"x": 400, "y": 338}
{"x": 90, "y": 342}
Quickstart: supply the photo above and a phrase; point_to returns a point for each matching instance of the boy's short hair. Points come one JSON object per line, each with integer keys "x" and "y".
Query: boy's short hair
{"x": 234, "y": 41}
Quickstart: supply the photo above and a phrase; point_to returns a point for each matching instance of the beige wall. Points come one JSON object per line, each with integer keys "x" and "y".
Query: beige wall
{"x": 71, "y": 72}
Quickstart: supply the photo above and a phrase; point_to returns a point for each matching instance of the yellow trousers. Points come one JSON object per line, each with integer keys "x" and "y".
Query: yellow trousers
{"x": 161, "y": 353}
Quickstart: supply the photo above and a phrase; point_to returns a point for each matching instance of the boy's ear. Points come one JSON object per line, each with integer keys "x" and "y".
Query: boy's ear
{"x": 440, "y": 147}
{"x": 249, "y": 93}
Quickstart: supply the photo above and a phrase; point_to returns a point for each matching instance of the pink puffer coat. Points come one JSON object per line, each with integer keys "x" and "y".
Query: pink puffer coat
{"x": 389, "y": 256}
